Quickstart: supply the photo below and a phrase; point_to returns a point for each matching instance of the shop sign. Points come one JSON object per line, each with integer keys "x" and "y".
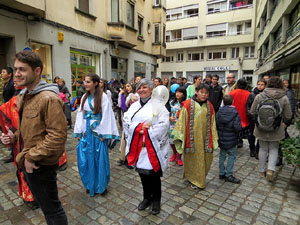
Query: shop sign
{"x": 216, "y": 68}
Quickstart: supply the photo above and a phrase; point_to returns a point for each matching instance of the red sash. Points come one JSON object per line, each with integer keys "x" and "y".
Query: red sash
{"x": 137, "y": 145}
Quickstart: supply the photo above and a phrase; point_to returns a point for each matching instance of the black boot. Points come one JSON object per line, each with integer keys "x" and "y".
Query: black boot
{"x": 155, "y": 208}
{"x": 144, "y": 204}
{"x": 232, "y": 179}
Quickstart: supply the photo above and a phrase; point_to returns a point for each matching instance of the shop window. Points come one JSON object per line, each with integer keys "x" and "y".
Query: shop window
{"x": 235, "y": 53}
{"x": 216, "y": 55}
{"x": 249, "y": 52}
{"x": 44, "y": 51}
{"x": 153, "y": 71}
{"x": 115, "y": 11}
{"x": 139, "y": 69}
{"x": 130, "y": 14}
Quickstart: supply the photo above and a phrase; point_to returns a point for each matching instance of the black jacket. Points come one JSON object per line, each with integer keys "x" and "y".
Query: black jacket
{"x": 228, "y": 126}
{"x": 8, "y": 90}
{"x": 249, "y": 102}
{"x": 216, "y": 96}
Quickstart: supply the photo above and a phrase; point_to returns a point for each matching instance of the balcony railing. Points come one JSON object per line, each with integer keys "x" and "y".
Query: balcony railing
{"x": 244, "y": 32}
{"x": 181, "y": 17}
{"x": 181, "y": 39}
{"x": 276, "y": 45}
{"x": 232, "y": 7}
{"x": 293, "y": 29}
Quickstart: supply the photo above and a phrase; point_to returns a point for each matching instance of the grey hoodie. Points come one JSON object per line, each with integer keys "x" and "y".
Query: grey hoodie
{"x": 42, "y": 86}
{"x": 280, "y": 95}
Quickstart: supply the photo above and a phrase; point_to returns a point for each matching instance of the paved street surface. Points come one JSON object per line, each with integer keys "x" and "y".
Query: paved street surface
{"x": 254, "y": 201}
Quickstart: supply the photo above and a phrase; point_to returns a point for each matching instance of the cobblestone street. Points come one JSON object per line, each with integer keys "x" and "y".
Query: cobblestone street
{"x": 254, "y": 201}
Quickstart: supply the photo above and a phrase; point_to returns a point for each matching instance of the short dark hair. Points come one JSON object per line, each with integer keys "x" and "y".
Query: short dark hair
{"x": 215, "y": 75}
{"x": 263, "y": 81}
{"x": 242, "y": 83}
{"x": 30, "y": 58}
{"x": 208, "y": 76}
{"x": 195, "y": 78}
{"x": 202, "y": 86}
{"x": 9, "y": 70}
{"x": 227, "y": 100}
{"x": 183, "y": 78}
{"x": 275, "y": 82}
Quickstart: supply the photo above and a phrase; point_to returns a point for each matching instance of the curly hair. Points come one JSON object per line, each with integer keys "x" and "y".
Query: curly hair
{"x": 275, "y": 82}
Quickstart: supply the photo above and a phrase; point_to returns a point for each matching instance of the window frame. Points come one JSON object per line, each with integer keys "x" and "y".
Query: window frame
{"x": 132, "y": 7}
{"x": 213, "y": 54}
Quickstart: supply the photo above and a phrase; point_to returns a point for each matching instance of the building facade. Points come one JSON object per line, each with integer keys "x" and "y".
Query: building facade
{"x": 113, "y": 38}
{"x": 279, "y": 40}
{"x": 210, "y": 37}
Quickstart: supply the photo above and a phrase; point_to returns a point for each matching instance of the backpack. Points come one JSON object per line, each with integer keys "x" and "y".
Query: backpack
{"x": 268, "y": 114}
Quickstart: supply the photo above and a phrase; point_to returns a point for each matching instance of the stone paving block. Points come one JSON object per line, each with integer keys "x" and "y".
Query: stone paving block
{"x": 287, "y": 221}
{"x": 215, "y": 221}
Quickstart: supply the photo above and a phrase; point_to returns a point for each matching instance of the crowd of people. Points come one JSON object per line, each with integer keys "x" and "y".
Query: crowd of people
{"x": 197, "y": 120}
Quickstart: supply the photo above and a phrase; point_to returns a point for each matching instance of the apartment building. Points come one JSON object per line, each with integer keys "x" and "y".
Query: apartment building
{"x": 279, "y": 40}
{"x": 113, "y": 38}
{"x": 210, "y": 37}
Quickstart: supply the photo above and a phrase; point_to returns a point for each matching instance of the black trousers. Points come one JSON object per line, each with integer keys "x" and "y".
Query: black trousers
{"x": 151, "y": 186}
{"x": 42, "y": 183}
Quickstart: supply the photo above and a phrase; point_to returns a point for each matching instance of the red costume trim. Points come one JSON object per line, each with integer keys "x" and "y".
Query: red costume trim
{"x": 137, "y": 145}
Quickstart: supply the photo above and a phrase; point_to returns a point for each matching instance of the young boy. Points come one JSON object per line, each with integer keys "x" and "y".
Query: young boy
{"x": 195, "y": 135}
{"x": 228, "y": 126}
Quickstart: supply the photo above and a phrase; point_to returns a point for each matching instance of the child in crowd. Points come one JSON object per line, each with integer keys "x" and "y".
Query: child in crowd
{"x": 174, "y": 114}
{"x": 228, "y": 126}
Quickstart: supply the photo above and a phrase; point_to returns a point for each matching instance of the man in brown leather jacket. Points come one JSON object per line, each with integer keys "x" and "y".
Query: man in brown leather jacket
{"x": 42, "y": 134}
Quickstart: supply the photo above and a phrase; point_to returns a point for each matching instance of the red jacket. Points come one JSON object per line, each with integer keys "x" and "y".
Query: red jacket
{"x": 240, "y": 98}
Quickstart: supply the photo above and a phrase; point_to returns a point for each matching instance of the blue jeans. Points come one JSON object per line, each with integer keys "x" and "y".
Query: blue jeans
{"x": 42, "y": 183}
{"x": 230, "y": 162}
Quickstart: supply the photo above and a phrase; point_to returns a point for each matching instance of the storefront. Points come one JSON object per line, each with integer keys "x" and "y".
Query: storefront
{"x": 45, "y": 52}
{"x": 82, "y": 63}
{"x": 191, "y": 74}
{"x": 119, "y": 68}
{"x": 295, "y": 81}
{"x": 139, "y": 69}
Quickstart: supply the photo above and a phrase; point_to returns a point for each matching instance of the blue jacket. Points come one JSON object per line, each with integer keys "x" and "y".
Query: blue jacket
{"x": 228, "y": 126}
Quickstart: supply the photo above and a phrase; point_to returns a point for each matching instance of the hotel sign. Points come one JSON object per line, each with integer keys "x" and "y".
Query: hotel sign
{"x": 216, "y": 68}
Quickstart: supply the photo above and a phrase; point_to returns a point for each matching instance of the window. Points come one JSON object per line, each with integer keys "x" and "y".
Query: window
{"x": 84, "y": 5}
{"x": 217, "y": 7}
{"x": 216, "y": 30}
{"x": 215, "y": 55}
{"x": 168, "y": 59}
{"x": 140, "y": 26}
{"x": 235, "y": 53}
{"x": 156, "y": 2}
{"x": 195, "y": 56}
{"x": 168, "y": 36}
{"x": 190, "y": 10}
{"x": 179, "y": 57}
{"x": 249, "y": 52}
{"x": 164, "y": 34}
{"x": 168, "y": 14}
{"x": 190, "y": 33}
{"x": 176, "y": 35}
{"x": 115, "y": 11}
{"x": 130, "y": 14}
{"x": 248, "y": 27}
{"x": 156, "y": 34}
{"x": 239, "y": 28}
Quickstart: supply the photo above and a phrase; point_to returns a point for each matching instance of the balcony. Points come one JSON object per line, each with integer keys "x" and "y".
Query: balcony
{"x": 276, "y": 45}
{"x": 123, "y": 34}
{"x": 33, "y": 7}
{"x": 293, "y": 29}
{"x": 158, "y": 50}
{"x": 234, "y": 33}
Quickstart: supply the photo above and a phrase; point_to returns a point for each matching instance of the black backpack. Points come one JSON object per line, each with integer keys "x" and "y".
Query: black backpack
{"x": 269, "y": 114}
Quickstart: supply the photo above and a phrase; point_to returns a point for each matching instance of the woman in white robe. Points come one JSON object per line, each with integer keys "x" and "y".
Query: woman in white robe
{"x": 147, "y": 147}
{"x": 96, "y": 130}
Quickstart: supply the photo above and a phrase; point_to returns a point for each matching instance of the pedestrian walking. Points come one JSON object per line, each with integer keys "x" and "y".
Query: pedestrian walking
{"x": 273, "y": 112}
{"x": 228, "y": 125}
{"x": 95, "y": 128}
{"x": 43, "y": 133}
{"x": 147, "y": 144}
{"x": 195, "y": 135}
{"x": 215, "y": 93}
